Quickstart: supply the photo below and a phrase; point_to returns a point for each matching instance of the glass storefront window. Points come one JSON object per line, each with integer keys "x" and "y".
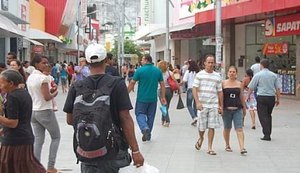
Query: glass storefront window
{"x": 284, "y": 64}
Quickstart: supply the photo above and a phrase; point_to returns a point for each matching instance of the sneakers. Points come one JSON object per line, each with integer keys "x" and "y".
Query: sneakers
{"x": 146, "y": 135}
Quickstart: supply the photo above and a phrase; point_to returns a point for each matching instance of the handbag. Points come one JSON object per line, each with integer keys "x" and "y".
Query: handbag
{"x": 172, "y": 83}
{"x": 180, "y": 104}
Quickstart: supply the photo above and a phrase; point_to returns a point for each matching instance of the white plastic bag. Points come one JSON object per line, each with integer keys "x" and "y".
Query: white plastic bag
{"x": 146, "y": 168}
{"x": 149, "y": 169}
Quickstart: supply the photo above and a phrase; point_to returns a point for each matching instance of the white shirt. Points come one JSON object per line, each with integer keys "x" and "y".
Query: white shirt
{"x": 189, "y": 78}
{"x": 34, "y": 84}
{"x": 29, "y": 69}
{"x": 255, "y": 68}
{"x": 209, "y": 84}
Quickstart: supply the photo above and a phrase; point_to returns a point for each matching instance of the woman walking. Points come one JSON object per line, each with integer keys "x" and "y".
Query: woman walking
{"x": 16, "y": 151}
{"x": 234, "y": 109}
{"x": 189, "y": 77}
{"x": 163, "y": 66}
{"x": 251, "y": 102}
{"x": 43, "y": 117}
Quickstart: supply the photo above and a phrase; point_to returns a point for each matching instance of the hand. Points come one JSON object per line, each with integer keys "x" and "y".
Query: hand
{"x": 55, "y": 93}
{"x": 276, "y": 102}
{"x": 199, "y": 106}
{"x": 53, "y": 89}
{"x": 138, "y": 159}
{"x": 220, "y": 110}
{"x": 163, "y": 101}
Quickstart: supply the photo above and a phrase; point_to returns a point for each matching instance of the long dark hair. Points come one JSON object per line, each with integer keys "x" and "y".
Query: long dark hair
{"x": 193, "y": 67}
{"x": 249, "y": 73}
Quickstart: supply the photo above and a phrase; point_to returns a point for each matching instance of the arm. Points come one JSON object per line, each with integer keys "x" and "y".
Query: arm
{"x": 221, "y": 101}
{"x": 128, "y": 131}
{"x": 195, "y": 95}
{"x": 163, "y": 92}
{"x": 277, "y": 97}
{"x": 46, "y": 93}
{"x": 131, "y": 85}
{"x": 242, "y": 98}
{"x": 10, "y": 123}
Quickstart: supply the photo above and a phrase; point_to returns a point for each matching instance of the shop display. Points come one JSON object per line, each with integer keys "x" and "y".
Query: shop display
{"x": 287, "y": 79}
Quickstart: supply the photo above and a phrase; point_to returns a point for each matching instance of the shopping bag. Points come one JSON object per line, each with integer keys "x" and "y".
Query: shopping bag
{"x": 149, "y": 169}
{"x": 163, "y": 109}
{"x": 180, "y": 104}
{"x": 146, "y": 168}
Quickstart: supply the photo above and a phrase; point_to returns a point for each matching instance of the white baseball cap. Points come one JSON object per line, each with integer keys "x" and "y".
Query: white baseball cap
{"x": 95, "y": 53}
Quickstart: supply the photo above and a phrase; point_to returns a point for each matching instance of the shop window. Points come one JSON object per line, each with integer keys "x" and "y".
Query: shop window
{"x": 250, "y": 33}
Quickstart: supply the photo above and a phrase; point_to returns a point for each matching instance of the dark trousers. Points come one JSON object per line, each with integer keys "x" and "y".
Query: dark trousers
{"x": 265, "y": 105}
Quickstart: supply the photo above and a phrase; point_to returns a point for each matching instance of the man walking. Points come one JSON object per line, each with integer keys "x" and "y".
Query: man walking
{"x": 256, "y": 67}
{"x": 148, "y": 77}
{"x": 110, "y": 69}
{"x": 208, "y": 95}
{"x": 268, "y": 94}
{"x": 119, "y": 104}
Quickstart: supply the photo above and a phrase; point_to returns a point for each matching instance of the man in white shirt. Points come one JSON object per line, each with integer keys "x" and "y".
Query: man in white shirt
{"x": 256, "y": 67}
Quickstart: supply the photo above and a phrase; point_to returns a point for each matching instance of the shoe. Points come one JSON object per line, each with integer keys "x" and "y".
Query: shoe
{"x": 253, "y": 127}
{"x": 52, "y": 170}
{"x": 166, "y": 124}
{"x": 194, "y": 123}
{"x": 198, "y": 144}
{"x": 211, "y": 152}
{"x": 146, "y": 135}
{"x": 228, "y": 149}
{"x": 243, "y": 151}
{"x": 266, "y": 139}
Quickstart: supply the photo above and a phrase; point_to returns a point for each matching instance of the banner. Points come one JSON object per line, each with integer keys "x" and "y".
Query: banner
{"x": 275, "y": 48}
{"x": 189, "y": 8}
{"x": 282, "y": 26}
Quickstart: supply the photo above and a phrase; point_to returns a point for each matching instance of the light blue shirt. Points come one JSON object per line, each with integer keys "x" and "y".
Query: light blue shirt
{"x": 266, "y": 83}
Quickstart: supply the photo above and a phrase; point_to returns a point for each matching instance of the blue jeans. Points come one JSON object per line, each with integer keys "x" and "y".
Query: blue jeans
{"x": 191, "y": 104}
{"x": 169, "y": 95}
{"x": 235, "y": 116}
{"x": 145, "y": 114}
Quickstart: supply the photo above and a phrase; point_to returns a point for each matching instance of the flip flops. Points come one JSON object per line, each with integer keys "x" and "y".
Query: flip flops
{"x": 243, "y": 151}
{"x": 198, "y": 144}
{"x": 228, "y": 149}
{"x": 211, "y": 152}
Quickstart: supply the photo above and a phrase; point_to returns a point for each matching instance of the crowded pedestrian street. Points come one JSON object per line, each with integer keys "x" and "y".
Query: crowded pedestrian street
{"x": 172, "y": 150}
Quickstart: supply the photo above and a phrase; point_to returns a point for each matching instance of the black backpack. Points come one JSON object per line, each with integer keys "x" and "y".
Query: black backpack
{"x": 96, "y": 137}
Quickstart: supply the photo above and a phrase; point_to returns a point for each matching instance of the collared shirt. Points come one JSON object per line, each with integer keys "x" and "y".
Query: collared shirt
{"x": 266, "y": 83}
{"x": 148, "y": 78}
{"x": 34, "y": 84}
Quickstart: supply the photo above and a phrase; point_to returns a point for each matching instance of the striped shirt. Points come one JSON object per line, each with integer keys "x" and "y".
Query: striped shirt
{"x": 208, "y": 84}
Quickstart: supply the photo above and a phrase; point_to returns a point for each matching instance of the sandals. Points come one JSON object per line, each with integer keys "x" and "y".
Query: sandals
{"x": 243, "y": 151}
{"x": 198, "y": 144}
{"x": 228, "y": 149}
{"x": 211, "y": 152}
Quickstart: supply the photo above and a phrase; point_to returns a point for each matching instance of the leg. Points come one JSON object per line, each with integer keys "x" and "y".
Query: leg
{"x": 211, "y": 134}
{"x": 252, "y": 114}
{"x": 39, "y": 134}
{"x": 227, "y": 121}
{"x": 240, "y": 136}
{"x": 189, "y": 103}
{"x": 169, "y": 95}
{"x": 226, "y": 135}
{"x": 262, "y": 111}
{"x": 271, "y": 104}
{"x": 200, "y": 140}
{"x": 141, "y": 115}
{"x": 238, "y": 125}
{"x": 151, "y": 114}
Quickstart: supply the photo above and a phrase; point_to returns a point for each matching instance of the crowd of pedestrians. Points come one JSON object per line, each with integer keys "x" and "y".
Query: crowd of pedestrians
{"x": 28, "y": 106}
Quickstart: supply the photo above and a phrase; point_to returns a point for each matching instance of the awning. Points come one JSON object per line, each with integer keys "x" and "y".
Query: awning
{"x": 175, "y": 28}
{"x": 13, "y": 18}
{"x": 34, "y": 42}
{"x": 144, "y": 31}
{"x": 36, "y": 34}
{"x": 9, "y": 29}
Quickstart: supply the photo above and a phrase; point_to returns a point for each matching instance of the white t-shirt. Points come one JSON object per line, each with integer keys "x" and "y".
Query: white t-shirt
{"x": 209, "y": 84}
{"x": 29, "y": 69}
{"x": 189, "y": 78}
{"x": 34, "y": 84}
{"x": 255, "y": 68}
{"x": 165, "y": 76}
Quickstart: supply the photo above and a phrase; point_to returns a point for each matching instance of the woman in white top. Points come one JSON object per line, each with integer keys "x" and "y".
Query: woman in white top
{"x": 43, "y": 117}
{"x": 163, "y": 66}
{"x": 189, "y": 77}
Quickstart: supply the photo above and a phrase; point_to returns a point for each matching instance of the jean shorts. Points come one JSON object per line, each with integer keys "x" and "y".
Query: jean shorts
{"x": 233, "y": 115}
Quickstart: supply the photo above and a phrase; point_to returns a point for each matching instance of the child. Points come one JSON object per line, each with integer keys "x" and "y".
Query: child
{"x": 52, "y": 86}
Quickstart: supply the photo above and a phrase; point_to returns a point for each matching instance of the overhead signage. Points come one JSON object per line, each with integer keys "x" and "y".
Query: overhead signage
{"x": 282, "y": 26}
{"x": 189, "y": 8}
{"x": 275, "y": 48}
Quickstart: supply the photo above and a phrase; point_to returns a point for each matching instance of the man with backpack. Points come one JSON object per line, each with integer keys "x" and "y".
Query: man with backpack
{"x": 98, "y": 109}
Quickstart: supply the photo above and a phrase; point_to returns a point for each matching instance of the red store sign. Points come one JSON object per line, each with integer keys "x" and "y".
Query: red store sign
{"x": 282, "y": 26}
{"x": 275, "y": 48}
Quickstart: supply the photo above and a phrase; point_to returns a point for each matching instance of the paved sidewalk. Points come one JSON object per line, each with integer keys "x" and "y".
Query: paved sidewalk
{"x": 172, "y": 149}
